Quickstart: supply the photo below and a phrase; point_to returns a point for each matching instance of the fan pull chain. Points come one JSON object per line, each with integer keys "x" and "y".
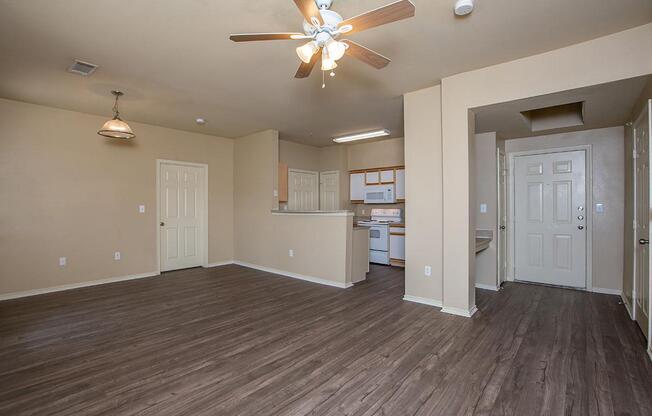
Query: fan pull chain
{"x": 323, "y": 79}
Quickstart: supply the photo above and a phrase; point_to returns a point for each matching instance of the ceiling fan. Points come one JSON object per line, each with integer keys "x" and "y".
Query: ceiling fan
{"x": 322, "y": 27}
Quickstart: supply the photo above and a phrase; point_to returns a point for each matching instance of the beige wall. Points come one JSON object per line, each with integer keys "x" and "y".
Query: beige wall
{"x": 65, "y": 191}
{"x": 630, "y": 242}
{"x": 376, "y": 154}
{"x": 299, "y": 156}
{"x": 322, "y": 244}
{"x": 486, "y": 191}
{"x": 572, "y": 67}
{"x": 608, "y": 163}
{"x": 423, "y": 163}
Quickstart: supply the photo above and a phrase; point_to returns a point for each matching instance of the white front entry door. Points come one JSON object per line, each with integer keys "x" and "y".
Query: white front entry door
{"x": 329, "y": 191}
{"x": 550, "y": 218}
{"x": 303, "y": 190}
{"x": 642, "y": 129}
{"x": 181, "y": 213}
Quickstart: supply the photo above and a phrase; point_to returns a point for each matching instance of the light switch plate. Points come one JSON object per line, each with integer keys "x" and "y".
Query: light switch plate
{"x": 291, "y": 253}
{"x": 117, "y": 256}
{"x": 141, "y": 209}
{"x": 62, "y": 261}
{"x": 599, "y": 208}
{"x": 483, "y": 208}
{"x": 275, "y": 192}
{"x": 427, "y": 271}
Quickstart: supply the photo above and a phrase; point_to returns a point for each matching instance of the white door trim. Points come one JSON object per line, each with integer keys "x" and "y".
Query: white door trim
{"x": 499, "y": 220}
{"x": 204, "y": 230}
{"x": 511, "y": 235}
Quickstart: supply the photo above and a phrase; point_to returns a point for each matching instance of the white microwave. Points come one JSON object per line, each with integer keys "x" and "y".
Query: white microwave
{"x": 379, "y": 194}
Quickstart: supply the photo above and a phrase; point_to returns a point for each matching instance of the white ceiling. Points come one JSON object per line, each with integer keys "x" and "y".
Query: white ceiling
{"x": 606, "y": 105}
{"x": 175, "y": 62}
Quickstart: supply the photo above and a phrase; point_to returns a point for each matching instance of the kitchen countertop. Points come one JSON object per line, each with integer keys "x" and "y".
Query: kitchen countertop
{"x": 325, "y": 213}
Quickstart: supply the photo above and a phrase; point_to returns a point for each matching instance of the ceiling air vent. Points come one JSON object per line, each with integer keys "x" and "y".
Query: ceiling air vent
{"x": 82, "y": 68}
{"x": 556, "y": 117}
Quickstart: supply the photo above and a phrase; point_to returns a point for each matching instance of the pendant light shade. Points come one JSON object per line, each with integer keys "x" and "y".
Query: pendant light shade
{"x": 116, "y": 128}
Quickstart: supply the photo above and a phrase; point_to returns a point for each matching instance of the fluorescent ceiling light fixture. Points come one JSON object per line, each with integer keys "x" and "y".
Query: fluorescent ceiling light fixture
{"x": 362, "y": 136}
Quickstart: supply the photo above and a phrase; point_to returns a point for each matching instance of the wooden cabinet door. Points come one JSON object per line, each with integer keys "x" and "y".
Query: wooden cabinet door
{"x": 387, "y": 176}
{"x": 400, "y": 185}
{"x": 357, "y": 187}
{"x": 282, "y": 182}
{"x": 372, "y": 178}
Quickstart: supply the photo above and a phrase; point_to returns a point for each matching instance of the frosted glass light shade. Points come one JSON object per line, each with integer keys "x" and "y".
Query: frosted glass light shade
{"x": 116, "y": 129}
{"x": 336, "y": 49}
{"x": 306, "y": 51}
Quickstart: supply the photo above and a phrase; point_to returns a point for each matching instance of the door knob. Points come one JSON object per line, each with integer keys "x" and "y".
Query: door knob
{"x": 502, "y": 227}
{"x": 643, "y": 241}
{"x": 580, "y": 227}
{"x": 162, "y": 224}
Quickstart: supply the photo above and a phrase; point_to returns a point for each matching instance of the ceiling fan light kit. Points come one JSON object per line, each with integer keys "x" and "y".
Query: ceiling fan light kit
{"x": 322, "y": 27}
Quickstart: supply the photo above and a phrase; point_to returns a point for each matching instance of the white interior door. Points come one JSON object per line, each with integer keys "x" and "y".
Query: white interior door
{"x": 303, "y": 190}
{"x": 642, "y": 129}
{"x": 329, "y": 191}
{"x": 502, "y": 217}
{"x": 550, "y": 218}
{"x": 181, "y": 207}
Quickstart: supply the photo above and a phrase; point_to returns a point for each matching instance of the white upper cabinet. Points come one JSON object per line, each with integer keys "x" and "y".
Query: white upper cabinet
{"x": 357, "y": 186}
{"x": 400, "y": 184}
{"x": 373, "y": 178}
{"x": 387, "y": 176}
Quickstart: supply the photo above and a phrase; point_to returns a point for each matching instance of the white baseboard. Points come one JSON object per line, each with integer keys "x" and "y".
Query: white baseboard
{"x": 424, "y": 301}
{"x": 460, "y": 312}
{"x": 486, "y": 287}
{"x": 616, "y": 292}
{"x": 61, "y": 288}
{"x": 627, "y": 307}
{"x": 294, "y": 275}
{"x": 218, "y": 264}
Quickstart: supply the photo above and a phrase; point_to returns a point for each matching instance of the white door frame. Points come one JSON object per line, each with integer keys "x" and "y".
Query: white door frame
{"x": 204, "y": 230}
{"x": 499, "y": 220}
{"x": 330, "y": 172}
{"x": 511, "y": 235}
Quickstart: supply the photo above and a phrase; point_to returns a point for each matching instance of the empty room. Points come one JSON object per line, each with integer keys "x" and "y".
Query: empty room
{"x": 325, "y": 207}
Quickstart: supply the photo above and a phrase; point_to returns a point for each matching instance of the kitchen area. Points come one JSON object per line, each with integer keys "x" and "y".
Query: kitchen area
{"x": 366, "y": 180}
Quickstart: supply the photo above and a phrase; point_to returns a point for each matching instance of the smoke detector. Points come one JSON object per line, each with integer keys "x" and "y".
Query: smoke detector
{"x": 463, "y": 7}
{"x": 82, "y": 68}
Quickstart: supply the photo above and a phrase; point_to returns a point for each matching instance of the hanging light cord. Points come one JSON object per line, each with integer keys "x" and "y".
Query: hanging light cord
{"x": 116, "y": 113}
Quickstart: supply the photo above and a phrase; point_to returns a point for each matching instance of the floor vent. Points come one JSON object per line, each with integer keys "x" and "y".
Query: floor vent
{"x": 82, "y": 68}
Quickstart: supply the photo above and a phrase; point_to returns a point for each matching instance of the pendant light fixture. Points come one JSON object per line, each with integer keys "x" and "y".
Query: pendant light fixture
{"x": 116, "y": 128}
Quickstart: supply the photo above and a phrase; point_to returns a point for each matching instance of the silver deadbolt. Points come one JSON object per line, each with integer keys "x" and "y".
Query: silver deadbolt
{"x": 502, "y": 227}
{"x": 580, "y": 217}
{"x": 580, "y": 208}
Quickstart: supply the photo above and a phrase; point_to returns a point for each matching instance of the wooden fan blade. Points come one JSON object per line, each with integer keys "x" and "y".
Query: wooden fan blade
{"x": 252, "y": 37}
{"x": 309, "y": 9}
{"x": 306, "y": 68}
{"x": 387, "y": 14}
{"x": 366, "y": 55}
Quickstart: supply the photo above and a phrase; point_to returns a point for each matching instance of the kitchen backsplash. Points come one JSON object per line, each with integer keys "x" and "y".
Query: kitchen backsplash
{"x": 364, "y": 210}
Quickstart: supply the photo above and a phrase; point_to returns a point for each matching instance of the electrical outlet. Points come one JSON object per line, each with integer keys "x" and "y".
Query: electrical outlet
{"x": 117, "y": 256}
{"x": 275, "y": 192}
{"x": 62, "y": 261}
{"x": 483, "y": 208}
{"x": 427, "y": 271}
{"x": 291, "y": 253}
{"x": 141, "y": 209}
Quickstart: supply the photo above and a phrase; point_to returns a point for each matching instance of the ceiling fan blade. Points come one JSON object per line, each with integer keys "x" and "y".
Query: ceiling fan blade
{"x": 366, "y": 55}
{"x": 306, "y": 68}
{"x": 309, "y": 10}
{"x": 399, "y": 10}
{"x": 251, "y": 37}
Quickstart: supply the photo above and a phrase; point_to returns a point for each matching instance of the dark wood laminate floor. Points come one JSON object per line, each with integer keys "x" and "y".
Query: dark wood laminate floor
{"x": 235, "y": 341}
